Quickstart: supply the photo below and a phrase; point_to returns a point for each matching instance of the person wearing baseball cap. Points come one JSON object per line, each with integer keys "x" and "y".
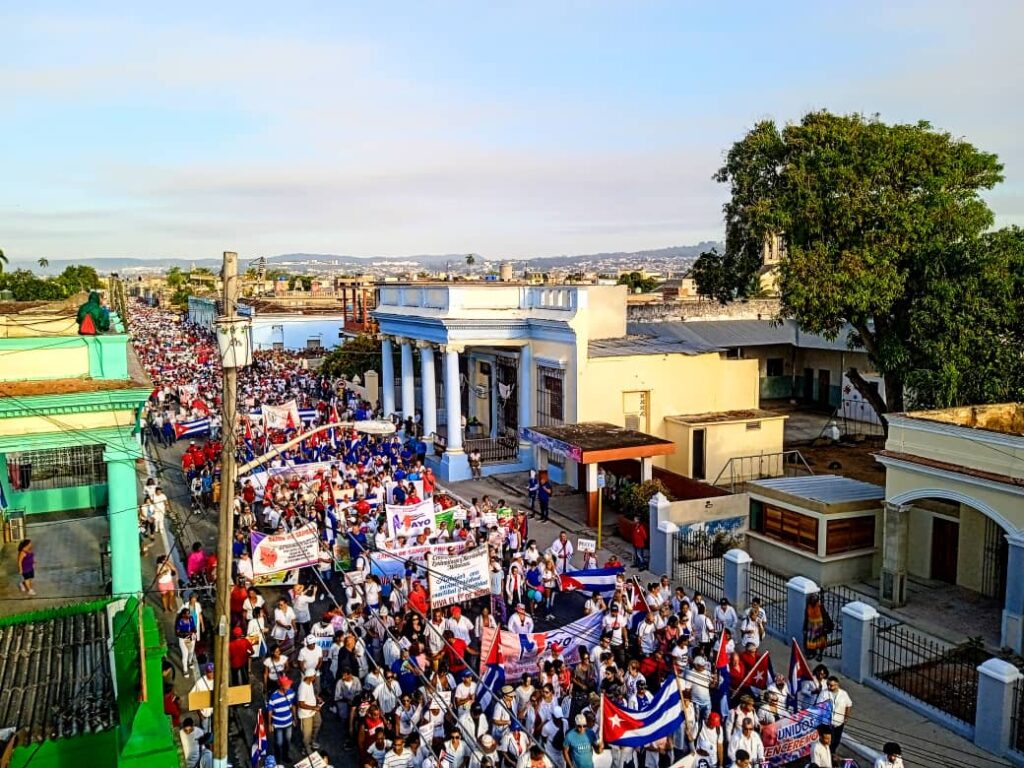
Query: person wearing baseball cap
{"x": 710, "y": 741}
{"x": 580, "y": 745}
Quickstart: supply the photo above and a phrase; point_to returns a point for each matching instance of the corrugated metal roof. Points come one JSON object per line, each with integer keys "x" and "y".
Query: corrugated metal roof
{"x": 646, "y": 344}
{"x": 825, "y": 489}
{"x": 743, "y": 333}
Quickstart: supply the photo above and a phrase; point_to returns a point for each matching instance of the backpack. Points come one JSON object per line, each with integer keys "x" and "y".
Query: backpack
{"x": 88, "y": 326}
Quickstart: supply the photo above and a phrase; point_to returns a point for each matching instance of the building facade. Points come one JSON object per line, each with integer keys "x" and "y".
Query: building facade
{"x": 496, "y": 360}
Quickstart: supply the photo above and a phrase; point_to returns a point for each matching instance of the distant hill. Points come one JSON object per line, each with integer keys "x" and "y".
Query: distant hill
{"x": 676, "y": 256}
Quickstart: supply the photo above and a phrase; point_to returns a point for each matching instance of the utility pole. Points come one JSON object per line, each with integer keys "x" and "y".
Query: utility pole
{"x": 225, "y": 535}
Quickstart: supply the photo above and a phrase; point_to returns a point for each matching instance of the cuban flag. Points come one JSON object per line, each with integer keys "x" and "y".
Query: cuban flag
{"x": 492, "y": 682}
{"x": 799, "y": 671}
{"x": 759, "y": 675}
{"x": 623, "y": 727}
{"x": 259, "y": 741}
{"x": 191, "y": 428}
{"x": 501, "y": 645}
{"x": 591, "y": 580}
{"x": 721, "y": 693}
{"x": 307, "y": 415}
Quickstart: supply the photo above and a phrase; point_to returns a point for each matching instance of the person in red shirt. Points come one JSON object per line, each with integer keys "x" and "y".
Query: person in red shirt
{"x": 239, "y": 653}
{"x": 418, "y": 599}
{"x": 187, "y": 462}
{"x": 249, "y": 493}
{"x": 455, "y": 651}
{"x": 239, "y": 593}
{"x": 172, "y": 705}
{"x": 639, "y": 545}
{"x": 613, "y": 562}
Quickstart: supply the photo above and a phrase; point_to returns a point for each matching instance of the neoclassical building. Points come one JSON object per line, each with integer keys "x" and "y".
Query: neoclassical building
{"x": 548, "y": 377}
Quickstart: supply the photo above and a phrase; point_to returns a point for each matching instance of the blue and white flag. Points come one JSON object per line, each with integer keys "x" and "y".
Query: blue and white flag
{"x": 624, "y": 727}
{"x": 191, "y": 428}
{"x": 592, "y": 580}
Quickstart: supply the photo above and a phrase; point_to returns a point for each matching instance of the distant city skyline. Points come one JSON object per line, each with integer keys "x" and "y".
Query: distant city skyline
{"x": 513, "y": 131}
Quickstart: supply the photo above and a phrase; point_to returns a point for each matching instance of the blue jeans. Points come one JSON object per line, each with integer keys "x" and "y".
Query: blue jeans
{"x": 282, "y": 738}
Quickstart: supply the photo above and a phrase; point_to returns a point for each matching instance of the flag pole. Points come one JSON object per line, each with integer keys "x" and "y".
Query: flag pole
{"x": 600, "y": 721}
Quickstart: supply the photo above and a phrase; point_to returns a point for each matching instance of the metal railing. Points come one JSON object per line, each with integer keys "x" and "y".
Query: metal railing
{"x": 697, "y": 562}
{"x": 770, "y": 588}
{"x": 740, "y": 469}
{"x": 942, "y": 676}
{"x": 494, "y": 450}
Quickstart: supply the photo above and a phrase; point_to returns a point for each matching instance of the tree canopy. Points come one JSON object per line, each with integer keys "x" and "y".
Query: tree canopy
{"x": 27, "y": 286}
{"x": 884, "y": 228}
{"x": 353, "y": 358}
{"x": 637, "y": 283}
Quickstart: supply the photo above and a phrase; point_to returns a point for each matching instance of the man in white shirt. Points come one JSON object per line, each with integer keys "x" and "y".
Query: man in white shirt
{"x": 842, "y": 704}
{"x": 309, "y": 713}
{"x": 561, "y": 549}
{"x": 205, "y": 683}
{"x": 388, "y": 693}
{"x": 311, "y": 658}
{"x": 646, "y": 636}
{"x": 748, "y": 740}
{"x": 821, "y": 754}
{"x": 519, "y": 622}
{"x": 196, "y": 755}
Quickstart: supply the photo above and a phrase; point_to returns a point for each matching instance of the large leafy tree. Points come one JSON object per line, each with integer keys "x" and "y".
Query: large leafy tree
{"x": 880, "y": 223}
{"x": 353, "y": 358}
{"x": 637, "y": 283}
{"x": 3, "y": 260}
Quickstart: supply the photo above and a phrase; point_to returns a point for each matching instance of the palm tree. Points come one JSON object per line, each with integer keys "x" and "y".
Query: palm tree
{"x": 470, "y": 260}
{"x": 44, "y": 263}
{"x": 3, "y": 260}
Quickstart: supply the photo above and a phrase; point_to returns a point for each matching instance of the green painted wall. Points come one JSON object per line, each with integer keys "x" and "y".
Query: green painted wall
{"x": 95, "y": 750}
{"x": 776, "y": 387}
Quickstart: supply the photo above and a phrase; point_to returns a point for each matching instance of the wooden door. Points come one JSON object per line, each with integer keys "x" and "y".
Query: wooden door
{"x": 945, "y": 549}
{"x": 698, "y": 455}
{"x": 808, "y": 384}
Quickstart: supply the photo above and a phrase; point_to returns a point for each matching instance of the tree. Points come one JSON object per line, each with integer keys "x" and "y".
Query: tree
{"x": 470, "y": 260}
{"x": 78, "y": 278}
{"x": 175, "y": 278}
{"x": 3, "y": 260}
{"x": 877, "y": 221}
{"x": 637, "y": 283}
{"x": 44, "y": 263}
{"x": 353, "y": 358}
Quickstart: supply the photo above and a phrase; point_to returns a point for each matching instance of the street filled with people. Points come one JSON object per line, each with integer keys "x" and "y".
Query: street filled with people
{"x": 385, "y": 621}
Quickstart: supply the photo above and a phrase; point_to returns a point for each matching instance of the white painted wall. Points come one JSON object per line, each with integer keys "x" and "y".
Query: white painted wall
{"x": 294, "y": 331}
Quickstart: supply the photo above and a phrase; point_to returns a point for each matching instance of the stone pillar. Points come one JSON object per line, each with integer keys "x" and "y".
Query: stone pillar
{"x": 123, "y": 518}
{"x": 663, "y": 533}
{"x": 797, "y": 591}
{"x": 427, "y": 391}
{"x": 646, "y": 468}
{"x": 737, "y": 577}
{"x": 453, "y": 398}
{"x": 896, "y": 531}
{"x": 1013, "y": 605}
{"x": 387, "y": 374}
{"x": 993, "y": 725}
{"x": 525, "y": 393}
{"x": 858, "y": 633}
{"x": 371, "y": 386}
{"x": 408, "y": 381}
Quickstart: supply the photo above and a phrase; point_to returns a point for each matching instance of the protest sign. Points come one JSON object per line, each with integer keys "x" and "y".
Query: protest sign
{"x": 285, "y": 416}
{"x": 490, "y": 519}
{"x": 278, "y": 579}
{"x": 410, "y": 519}
{"x": 459, "y": 514}
{"x": 284, "y": 551}
{"x": 586, "y": 545}
{"x": 391, "y": 563}
{"x": 457, "y": 578}
{"x": 523, "y": 654}
{"x": 791, "y": 736}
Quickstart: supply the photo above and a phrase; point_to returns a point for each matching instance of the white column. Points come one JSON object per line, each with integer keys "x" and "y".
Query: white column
{"x": 387, "y": 374}
{"x": 525, "y": 387}
{"x": 408, "y": 381}
{"x": 1013, "y": 605}
{"x": 453, "y": 398}
{"x": 736, "y": 564}
{"x": 646, "y": 468}
{"x": 429, "y": 406}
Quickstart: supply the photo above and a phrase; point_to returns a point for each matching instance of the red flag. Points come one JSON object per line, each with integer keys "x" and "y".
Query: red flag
{"x": 290, "y": 424}
{"x": 722, "y": 655}
{"x": 759, "y": 675}
{"x": 333, "y": 418}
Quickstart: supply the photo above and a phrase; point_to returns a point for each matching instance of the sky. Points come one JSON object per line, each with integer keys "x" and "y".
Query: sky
{"x": 507, "y": 129}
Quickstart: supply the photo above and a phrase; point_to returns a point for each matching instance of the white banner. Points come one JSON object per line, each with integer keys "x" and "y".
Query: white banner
{"x": 390, "y": 563}
{"x": 286, "y": 473}
{"x": 284, "y": 416}
{"x": 284, "y": 551}
{"x": 411, "y": 519}
{"x": 457, "y": 578}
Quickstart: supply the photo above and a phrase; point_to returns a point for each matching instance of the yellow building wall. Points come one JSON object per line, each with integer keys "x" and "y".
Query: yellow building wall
{"x": 952, "y": 449}
{"x": 678, "y": 462}
{"x": 605, "y": 316}
{"x": 32, "y": 326}
{"x": 971, "y": 548}
{"x": 38, "y": 364}
{"x": 32, "y": 425}
{"x": 724, "y": 441}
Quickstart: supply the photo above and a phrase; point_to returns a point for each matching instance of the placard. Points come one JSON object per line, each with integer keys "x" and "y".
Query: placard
{"x": 284, "y": 551}
{"x": 586, "y": 545}
{"x": 459, "y": 514}
{"x": 490, "y": 519}
{"x": 457, "y": 578}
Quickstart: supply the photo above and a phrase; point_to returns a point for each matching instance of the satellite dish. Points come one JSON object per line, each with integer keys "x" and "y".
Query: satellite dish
{"x": 374, "y": 427}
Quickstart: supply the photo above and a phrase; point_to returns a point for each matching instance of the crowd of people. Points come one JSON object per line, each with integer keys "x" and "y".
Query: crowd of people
{"x": 353, "y": 645}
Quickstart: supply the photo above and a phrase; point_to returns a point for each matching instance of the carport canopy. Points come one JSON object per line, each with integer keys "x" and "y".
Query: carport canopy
{"x": 594, "y": 441}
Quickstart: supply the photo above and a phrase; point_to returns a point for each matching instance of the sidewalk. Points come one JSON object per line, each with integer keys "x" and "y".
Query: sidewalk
{"x": 875, "y": 718}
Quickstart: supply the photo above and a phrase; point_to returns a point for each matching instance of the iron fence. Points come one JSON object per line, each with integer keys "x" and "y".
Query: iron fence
{"x": 941, "y": 675}
{"x": 698, "y": 563}
{"x": 1017, "y": 730}
{"x": 494, "y": 450}
{"x": 770, "y": 588}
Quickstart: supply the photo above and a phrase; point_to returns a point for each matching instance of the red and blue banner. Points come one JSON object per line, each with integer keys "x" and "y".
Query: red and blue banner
{"x": 791, "y": 737}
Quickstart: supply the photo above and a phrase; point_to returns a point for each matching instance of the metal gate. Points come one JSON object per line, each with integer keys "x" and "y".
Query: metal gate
{"x": 770, "y": 588}
{"x": 698, "y": 564}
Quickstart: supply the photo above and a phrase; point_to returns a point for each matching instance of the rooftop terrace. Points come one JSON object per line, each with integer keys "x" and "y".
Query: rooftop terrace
{"x": 1003, "y": 418}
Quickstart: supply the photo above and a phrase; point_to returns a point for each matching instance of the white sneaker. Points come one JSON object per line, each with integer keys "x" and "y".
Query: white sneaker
{"x": 31, "y": 591}
{"x": 22, "y": 587}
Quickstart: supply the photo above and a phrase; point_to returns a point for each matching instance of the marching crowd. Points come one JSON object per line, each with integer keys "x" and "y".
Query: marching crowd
{"x": 354, "y": 646}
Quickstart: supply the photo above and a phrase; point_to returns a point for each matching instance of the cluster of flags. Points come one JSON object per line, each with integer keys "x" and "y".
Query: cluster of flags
{"x": 635, "y": 728}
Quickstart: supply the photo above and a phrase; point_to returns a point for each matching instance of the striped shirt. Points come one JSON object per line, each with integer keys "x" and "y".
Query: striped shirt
{"x": 280, "y": 705}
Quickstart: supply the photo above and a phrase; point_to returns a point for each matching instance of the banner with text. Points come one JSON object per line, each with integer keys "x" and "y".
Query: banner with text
{"x": 284, "y": 551}
{"x": 524, "y": 654}
{"x": 791, "y": 737}
{"x": 391, "y": 563}
{"x": 457, "y": 578}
